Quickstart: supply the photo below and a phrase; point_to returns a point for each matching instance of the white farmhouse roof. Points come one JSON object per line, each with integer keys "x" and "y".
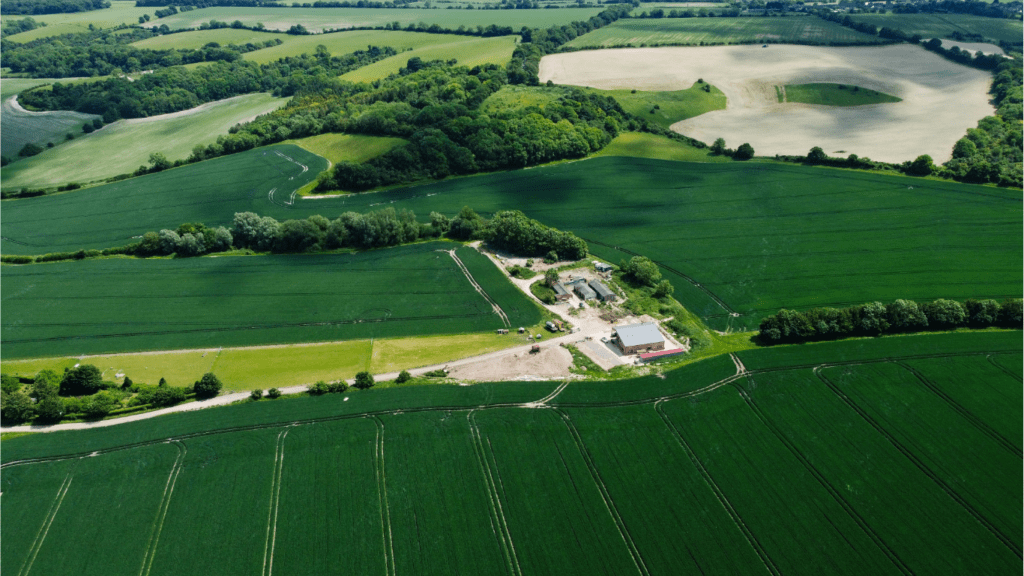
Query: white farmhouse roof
{"x": 639, "y": 334}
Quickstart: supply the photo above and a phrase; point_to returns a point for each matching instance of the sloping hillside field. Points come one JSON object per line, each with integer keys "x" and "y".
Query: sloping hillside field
{"x": 940, "y": 98}
{"x": 738, "y": 241}
{"x": 882, "y": 465}
{"x": 124, "y": 305}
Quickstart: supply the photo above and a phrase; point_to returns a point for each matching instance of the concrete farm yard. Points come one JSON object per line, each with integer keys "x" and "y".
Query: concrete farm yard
{"x": 337, "y": 485}
{"x": 941, "y": 99}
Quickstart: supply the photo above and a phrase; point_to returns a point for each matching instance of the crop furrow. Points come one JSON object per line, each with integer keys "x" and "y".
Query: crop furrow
{"x": 382, "y": 494}
{"x": 606, "y": 497}
{"x": 45, "y": 528}
{"x": 953, "y": 494}
{"x": 993, "y": 362}
{"x": 161, "y": 512}
{"x": 964, "y": 412}
{"x": 752, "y": 540}
{"x": 497, "y": 511}
{"x": 836, "y": 495}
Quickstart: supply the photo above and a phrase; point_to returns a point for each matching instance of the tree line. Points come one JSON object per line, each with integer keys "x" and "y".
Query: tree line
{"x": 23, "y": 25}
{"x": 875, "y": 318}
{"x": 36, "y": 7}
{"x": 173, "y": 89}
{"x": 106, "y": 52}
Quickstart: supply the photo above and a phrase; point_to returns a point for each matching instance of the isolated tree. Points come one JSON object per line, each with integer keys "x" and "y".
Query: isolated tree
{"x": 273, "y": 393}
{"x": 208, "y": 386}
{"x": 403, "y": 377}
{"x": 163, "y": 382}
{"x": 744, "y": 152}
{"x": 642, "y": 269}
{"x": 363, "y": 381}
{"x": 81, "y": 381}
{"x": 127, "y": 383}
{"x": 256, "y": 394}
{"x": 550, "y": 277}
{"x": 719, "y": 146}
{"x": 817, "y": 155}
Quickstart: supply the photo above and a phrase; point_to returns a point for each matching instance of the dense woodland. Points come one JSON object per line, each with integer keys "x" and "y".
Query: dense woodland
{"x": 12, "y": 26}
{"x": 51, "y": 6}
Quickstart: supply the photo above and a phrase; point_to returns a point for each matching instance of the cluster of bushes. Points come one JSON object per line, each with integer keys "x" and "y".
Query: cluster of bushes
{"x": 875, "y": 318}
{"x": 511, "y": 230}
{"x": 17, "y": 26}
{"x": 965, "y": 57}
{"x": 273, "y": 393}
{"x": 644, "y": 272}
{"x": 744, "y": 152}
{"x": 51, "y": 6}
{"x": 321, "y": 388}
{"x": 175, "y": 88}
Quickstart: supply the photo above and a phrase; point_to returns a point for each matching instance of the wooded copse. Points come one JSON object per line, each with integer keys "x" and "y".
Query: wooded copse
{"x": 51, "y": 6}
{"x": 875, "y": 318}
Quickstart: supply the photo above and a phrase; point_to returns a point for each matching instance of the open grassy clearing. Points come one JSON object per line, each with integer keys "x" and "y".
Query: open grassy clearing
{"x": 319, "y": 19}
{"x": 835, "y": 95}
{"x": 716, "y": 479}
{"x": 943, "y": 25}
{"x": 667, "y": 108}
{"x": 757, "y": 237}
{"x": 467, "y": 50}
{"x": 699, "y": 31}
{"x": 346, "y": 147}
{"x": 941, "y": 99}
{"x": 120, "y": 12}
{"x": 641, "y": 145}
{"x": 242, "y": 301}
{"x": 125, "y": 145}
{"x": 278, "y": 366}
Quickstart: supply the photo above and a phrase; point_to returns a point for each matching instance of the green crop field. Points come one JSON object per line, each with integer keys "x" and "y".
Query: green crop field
{"x": 833, "y": 95}
{"x": 319, "y": 19}
{"x": 18, "y": 127}
{"x": 694, "y": 31}
{"x": 82, "y": 307}
{"x": 468, "y": 50}
{"x": 120, "y": 12}
{"x": 125, "y": 145}
{"x": 943, "y": 25}
{"x": 756, "y": 237}
{"x": 893, "y": 468}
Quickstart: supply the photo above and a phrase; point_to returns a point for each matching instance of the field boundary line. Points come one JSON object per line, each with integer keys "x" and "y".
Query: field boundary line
{"x": 993, "y": 362}
{"x": 542, "y": 403}
{"x": 494, "y": 305}
{"x": 823, "y": 481}
{"x": 47, "y": 522}
{"x": 161, "y": 511}
{"x": 748, "y": 534}
{"x": 920, "y": 465}
{"x": 275, "y": 500}
{"x": 503, "y": 534}
{"x": 966, "y": 414}
{"x": 382, "y": 495}
{"x": 606, "y": 497}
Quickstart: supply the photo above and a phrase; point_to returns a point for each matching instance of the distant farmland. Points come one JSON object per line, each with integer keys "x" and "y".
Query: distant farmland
{"x": 319, "y": 19}
{"x": 892, "y": 463}
{"x": 122, "y": 305}
{"x": 756, "y": 237}
{"x": 943, "y": 25}
{"x": 123, "y": 146}
{"x": 694, "y": 31}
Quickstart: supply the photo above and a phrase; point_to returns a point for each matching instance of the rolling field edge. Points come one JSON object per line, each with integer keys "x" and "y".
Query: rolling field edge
{"x": 920, "y": 465}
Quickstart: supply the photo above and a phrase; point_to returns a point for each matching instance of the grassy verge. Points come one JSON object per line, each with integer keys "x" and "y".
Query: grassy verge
{"x": 347, "y": 147}
{"x": 835, "y": 95}
{"x": 641, "y": 145}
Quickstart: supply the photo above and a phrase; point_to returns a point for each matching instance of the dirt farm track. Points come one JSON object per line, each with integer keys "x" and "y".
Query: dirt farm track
{"x": 941, "y": 99}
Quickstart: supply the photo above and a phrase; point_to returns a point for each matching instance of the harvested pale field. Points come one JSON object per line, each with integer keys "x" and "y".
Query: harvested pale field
{"x": 941, "y": 99}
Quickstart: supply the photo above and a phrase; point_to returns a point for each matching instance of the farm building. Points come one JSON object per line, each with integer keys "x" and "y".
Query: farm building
{"x": 639, "y": 338}
{"x": 602, "y": 267}
{"x": 584, "y": 291}
{"x": 561, "y": 294}
{"x": 603, "y": 293}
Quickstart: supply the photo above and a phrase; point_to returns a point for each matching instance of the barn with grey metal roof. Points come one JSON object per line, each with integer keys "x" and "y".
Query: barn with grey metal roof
{"x": 603, "y": 293}
{"x": 643, "y": 337}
